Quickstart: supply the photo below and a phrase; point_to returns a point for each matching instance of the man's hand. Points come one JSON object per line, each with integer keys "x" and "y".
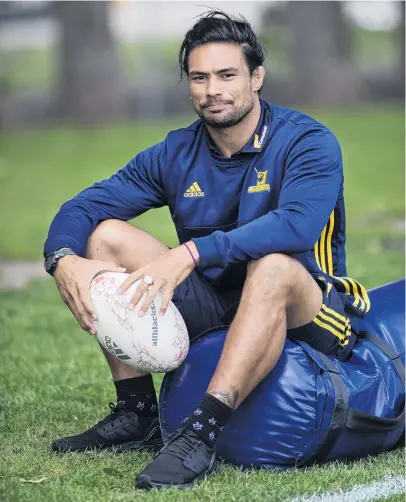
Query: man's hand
{"x": 73, "y": 276}
{"x": 167, "y": 272}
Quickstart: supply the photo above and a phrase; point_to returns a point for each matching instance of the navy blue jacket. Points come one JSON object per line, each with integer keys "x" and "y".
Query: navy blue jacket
{"x": 281, "y": 193}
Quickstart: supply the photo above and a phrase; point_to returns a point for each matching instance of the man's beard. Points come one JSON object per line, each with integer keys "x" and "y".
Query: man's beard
{"x": 228, "y": 120}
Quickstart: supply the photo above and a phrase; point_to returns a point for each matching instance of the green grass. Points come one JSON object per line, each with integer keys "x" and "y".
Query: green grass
{"x": 53, "y": 379}
{"x": 54, "y": 382}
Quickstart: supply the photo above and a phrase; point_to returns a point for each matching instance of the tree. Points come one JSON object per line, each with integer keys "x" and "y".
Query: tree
{"x": 322, "y": 69}
{"x": 88, "y": 76}
{"x": 401, "y": 35}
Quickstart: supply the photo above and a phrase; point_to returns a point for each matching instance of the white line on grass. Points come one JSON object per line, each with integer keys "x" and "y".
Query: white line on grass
{"x": 390, "y": 485}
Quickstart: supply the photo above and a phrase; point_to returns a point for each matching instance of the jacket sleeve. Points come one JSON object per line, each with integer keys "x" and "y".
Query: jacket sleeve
{"x": 312, "y": 181}
{"x": 130, "y": 192}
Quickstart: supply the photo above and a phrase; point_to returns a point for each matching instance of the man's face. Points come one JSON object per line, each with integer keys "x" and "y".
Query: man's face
{"x": 220, "y": 84}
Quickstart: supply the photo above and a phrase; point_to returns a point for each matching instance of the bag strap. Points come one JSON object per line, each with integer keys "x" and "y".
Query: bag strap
{"x": 340, "y": 411}
{"x": 360, "y": 420}
{"x": 345, "y": 417}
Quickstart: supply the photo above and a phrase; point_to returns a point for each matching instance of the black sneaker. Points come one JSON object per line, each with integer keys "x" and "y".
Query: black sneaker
{"x": 120, "y": 431}
{"x": 182, "y": 462}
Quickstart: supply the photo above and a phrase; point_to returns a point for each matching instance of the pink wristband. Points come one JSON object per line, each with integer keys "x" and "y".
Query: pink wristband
{"x": 191, "y": 254}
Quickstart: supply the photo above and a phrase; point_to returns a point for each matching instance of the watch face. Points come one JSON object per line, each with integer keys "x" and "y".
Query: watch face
{"x": 48, "y": 261}
{"x": 52, "y": 259}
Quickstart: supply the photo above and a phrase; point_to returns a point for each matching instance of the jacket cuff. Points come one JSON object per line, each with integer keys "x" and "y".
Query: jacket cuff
{"x": 63, "y": 241}
{"x": 209, "y": 254}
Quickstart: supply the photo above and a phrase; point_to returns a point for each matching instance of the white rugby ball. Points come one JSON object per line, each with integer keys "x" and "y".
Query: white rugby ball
{"x": 153, "y": 343}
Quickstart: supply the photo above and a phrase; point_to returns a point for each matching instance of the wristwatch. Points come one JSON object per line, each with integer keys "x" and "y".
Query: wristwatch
{"x": 52, "y": 259}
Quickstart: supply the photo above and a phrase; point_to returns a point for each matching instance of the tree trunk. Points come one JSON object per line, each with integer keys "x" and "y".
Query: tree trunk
{"x": 89, "y": 83}
{"x": 401, "y": 32}
{"x": 322, "y": 70}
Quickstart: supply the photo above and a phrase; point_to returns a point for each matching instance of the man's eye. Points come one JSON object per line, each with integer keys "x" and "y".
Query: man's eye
{"x": 200, "y": 77}
{"x": 228, "y": 75}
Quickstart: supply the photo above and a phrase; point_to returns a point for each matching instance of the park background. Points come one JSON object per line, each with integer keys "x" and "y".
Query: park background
{"x": 84, "y": 86}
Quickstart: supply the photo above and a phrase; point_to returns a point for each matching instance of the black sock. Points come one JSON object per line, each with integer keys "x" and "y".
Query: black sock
{"x": 138, "y": 395}
{"x": 209, "y": 418}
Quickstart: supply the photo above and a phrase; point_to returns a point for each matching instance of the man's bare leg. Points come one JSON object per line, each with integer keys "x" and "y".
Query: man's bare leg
{"x": 129, "y": 247}
{"x": 278, "y": 294}
{"x": 134, "y": 423}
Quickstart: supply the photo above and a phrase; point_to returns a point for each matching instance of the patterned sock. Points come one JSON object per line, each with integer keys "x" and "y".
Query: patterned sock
{"x": 209, "y": 418}
{"x": 138, "y": 395}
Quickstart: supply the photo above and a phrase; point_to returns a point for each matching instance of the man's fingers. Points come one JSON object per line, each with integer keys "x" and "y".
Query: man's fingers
{"x": 152, "y": 292}
{"x": 168, "y": 293}
{"x": 128, "y": 282}
{"x": 76, "y": 315}
{"x": 112, "y": 267}
{"x": 139, "y": 293}
{"x": 68, "y": 301}
{"x": 79, "y": 316}
{"x": 84, "y": 297}
{"x": 82, "y": 316}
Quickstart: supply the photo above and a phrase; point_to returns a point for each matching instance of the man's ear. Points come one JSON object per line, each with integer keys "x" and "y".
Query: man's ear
{"x": 258, "y": 78}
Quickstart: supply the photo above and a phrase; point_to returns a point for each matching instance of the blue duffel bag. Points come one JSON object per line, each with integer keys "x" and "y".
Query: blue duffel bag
{"x": 311, "y": 407}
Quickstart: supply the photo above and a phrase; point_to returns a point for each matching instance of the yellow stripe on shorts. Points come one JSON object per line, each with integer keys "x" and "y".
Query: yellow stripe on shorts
{"x": 322, "y": 315}
{"x": 334, "y": 313}
{"x": 329, "y": 328}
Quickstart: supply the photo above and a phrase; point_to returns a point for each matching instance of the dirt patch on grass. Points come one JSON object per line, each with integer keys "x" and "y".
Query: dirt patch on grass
{"x": 394, "y": 222}
{"x": 17, "y": 274}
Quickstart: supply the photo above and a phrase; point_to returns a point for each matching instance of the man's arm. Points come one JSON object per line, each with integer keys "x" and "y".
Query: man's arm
{"x": 127, "y": 194}
{"x": 312, "y": 181}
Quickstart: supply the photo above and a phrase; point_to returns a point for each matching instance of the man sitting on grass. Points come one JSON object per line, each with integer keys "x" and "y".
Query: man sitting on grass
{"x": 256, "y": 195}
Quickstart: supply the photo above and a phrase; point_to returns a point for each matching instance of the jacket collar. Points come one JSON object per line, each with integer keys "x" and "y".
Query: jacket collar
{"x": 257, "y": 140}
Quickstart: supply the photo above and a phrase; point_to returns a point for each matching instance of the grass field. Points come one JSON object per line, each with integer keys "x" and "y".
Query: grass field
{"x": 53, "y": 380}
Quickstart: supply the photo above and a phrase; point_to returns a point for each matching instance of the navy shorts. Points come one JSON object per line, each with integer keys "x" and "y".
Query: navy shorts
{"x": 204, "y": 306}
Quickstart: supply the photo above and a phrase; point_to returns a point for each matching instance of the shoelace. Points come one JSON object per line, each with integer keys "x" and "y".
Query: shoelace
{"x": 114, "y": 410}
{"x": 176, "y": 431}
{"x": 181, "y": 446}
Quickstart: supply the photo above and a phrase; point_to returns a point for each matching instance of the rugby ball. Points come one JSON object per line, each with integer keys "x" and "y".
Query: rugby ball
{"x": 152, "y": 343}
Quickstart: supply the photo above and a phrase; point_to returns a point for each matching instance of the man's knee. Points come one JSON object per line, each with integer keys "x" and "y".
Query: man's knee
{"x": 277, "y": 275}
{"x": 281, "y": 278}
{"x": 107, "y": 237}
{"x": 123, "y": 244}
{"x": 274, "y": 265}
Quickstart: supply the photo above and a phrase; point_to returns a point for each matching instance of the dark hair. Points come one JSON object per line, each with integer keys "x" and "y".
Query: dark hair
{"x": 217, "y": 26}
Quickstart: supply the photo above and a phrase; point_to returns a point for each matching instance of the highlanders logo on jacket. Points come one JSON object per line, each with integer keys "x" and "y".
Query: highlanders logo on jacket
{"x": 262, "y": 185}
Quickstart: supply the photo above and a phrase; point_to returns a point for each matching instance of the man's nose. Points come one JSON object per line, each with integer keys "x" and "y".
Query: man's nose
{"x": 213, "y": 87}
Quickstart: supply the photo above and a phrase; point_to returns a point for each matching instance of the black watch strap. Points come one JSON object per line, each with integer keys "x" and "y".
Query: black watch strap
{"x": 52, "y": 259}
